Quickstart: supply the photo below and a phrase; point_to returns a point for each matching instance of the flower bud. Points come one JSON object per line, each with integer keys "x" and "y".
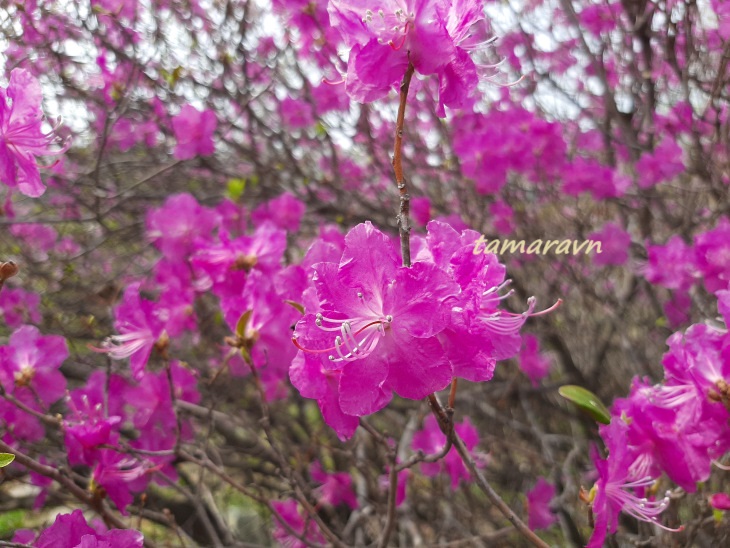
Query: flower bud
{"x": 8, "y": 270}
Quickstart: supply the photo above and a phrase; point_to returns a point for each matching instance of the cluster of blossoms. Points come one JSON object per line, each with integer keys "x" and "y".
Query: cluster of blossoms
{"x": 374, "y": 327}
{"x": 437, "y": 38}
{"x": 21, "y": 134}
{"x": 72, "y": 531}
{"x": 678, "y": 428}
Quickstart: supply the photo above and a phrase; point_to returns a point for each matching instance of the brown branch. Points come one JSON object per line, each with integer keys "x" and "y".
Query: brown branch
{"x": 392, "y": 494}
{"x": 442, "y": 415}
{"x": 404, "y": 227}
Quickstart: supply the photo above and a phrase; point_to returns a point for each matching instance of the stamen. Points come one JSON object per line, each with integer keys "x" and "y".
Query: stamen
{"x": 346, "y": 346}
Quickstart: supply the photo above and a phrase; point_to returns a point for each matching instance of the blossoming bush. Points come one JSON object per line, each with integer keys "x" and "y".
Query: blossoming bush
{"x": 244, "y": 296}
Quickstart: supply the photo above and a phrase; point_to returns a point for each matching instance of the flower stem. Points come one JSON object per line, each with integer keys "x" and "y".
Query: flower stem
{"x": 404, "y": 227}
{"x": 494, "y": 498}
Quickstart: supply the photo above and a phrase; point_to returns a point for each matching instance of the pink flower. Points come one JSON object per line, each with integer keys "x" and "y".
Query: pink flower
{"x": 502, "y": 217}
{"x": 18, "y": 306}
{"x": 538, "y": 505}
{"x": 179, "y": 225}
{"x": 670, "y": 265}
{"x": 296, "y": 113}
{"x": 336, "y": 487}
{"x": 21, "y": 136}
{"x": 72, "y": 531}
{"x": 431, "y": 440}
{"x": 421, "y": 210}
{"x": 533, "y": 364}
{"x": 290, "y": 512}
{"x": 120, "y": 475}
{"x": 194, "y": 132}
{"x": 378, "y": 324}
{"x": 88, "y": 426}
{"x": 615, "y": 243}
{"x": 600, "y": 18}
{"x": 712, "y": 256}
{"x": 30, "y": 364}
{"x": 662, "y": 164}
{"x": 720, "y": 501}
{"x": 437, "y": 37}
{"x": 618, "y": 490}
{"x": 140, "y": 324}
{"x": 285, "y": 211}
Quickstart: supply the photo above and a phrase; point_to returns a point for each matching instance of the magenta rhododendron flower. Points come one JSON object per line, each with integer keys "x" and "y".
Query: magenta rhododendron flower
{"x": 31, "y": 362}
{"x": 539, "y": 514}
{"x": 21, "y": 136}
{"x": 120, "y": 475}
{"x": 296, "y": 113}
{"x": 378, "y": 324}
{"x": 436, "y": 36}
{"x": 87, "y": 426}
{"x": 72, "y": 531}
{"x": 620, "y": 488}
{"x": 18, "y": 306}
{"x": 720, "y": 501}
{"x": 141, "y": 324}
{"x": 421, "y": 210}
{"x": 194, "y": 132}
{"x": 432, "y": 440}
{"x": 712, "y": 255}
{"x": 180, "y": 225}
{"x": 290, "y": 512}
{"x": 285, "y": 211}
{"x": 670, "y": 265}
{"x": 662, "y": 164}
{"x": 336, "y": 487}
{"x": 535, "y": 365}
{"x": 615, "y": 242}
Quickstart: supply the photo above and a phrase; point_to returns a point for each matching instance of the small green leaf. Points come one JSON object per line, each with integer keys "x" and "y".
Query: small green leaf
{"x": 6, "y": 458}
{"x": 717, "y": 514}
{"x": 587, "y": 401}
{"x": 236, "y": 188}
{"x": 246, "y": 355}
{"x": 243, "y": 323}
{"x": 296, "y": 305}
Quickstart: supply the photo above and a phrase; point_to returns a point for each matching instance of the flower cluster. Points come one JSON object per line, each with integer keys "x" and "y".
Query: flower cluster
{"x": 376, "y": 327}
{"x": 21, "y": 135}
{"x": 437, "y": 38}
{"x": 677, "y": 428}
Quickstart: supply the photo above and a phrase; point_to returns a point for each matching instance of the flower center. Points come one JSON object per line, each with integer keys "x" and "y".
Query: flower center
{"x": 357, "y": 338}
{"x": 390, "y": 26}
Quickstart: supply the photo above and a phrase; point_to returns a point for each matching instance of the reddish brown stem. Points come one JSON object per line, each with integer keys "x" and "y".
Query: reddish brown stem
{"x": 404, "y": 227}
{"x": 452, "y": 394}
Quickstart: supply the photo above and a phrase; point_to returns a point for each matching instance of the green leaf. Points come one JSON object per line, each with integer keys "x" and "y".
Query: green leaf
{"x": 11, "y": 521}
{"x": 587, "y": 401}
{"x": 236, "y": 188}
{"x": 6, "y": 458}
{"x": 243, "y": 323}
{"x": 296, "y": 305}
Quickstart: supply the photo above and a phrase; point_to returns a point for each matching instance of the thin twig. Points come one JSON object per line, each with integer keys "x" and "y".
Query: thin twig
{"x": 442, "y": 416}
{"x": 404, "y": 227}
{"x": 392, "y": 495}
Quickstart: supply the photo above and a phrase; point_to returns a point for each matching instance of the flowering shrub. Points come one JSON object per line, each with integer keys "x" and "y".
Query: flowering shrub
{"x": 243, "y": 296}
